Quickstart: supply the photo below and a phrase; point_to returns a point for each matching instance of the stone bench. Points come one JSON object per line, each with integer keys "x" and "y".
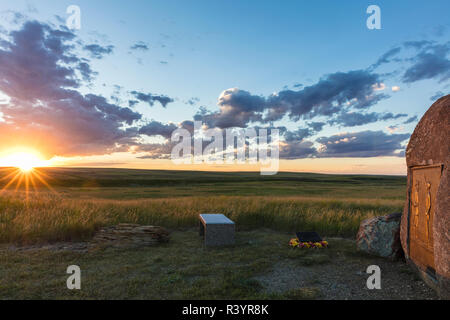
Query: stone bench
{"x": 216, "y": 229}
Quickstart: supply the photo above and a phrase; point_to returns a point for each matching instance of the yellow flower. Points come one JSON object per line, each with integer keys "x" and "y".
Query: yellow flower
{"x": 293, "y": 242}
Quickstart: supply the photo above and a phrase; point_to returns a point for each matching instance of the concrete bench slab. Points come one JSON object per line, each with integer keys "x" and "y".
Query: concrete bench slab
{"x": 216, "y": 229}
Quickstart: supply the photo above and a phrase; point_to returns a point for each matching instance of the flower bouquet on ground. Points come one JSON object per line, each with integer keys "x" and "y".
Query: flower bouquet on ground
{"x": 309, "y": 239}
{"x": 296, "y": 243}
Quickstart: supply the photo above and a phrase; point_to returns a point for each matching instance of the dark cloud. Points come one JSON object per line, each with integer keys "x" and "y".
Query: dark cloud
{"x": 362, "y": 144}
{"x": 156, "y": 128}
{"x": 97, "y": 51}
{"x": 188, "y": 125}
{"x": 151, "y": 98}
{"x": 390, "y": 116}
{"x": 430, "y": 63}
{"x": 140, "y": 46}
{"x": 297, "y": 150}
{"x": 326, "y": 97}
{"x": 38, "y": 72}
{"x": 418, "y": 44}
{"x": 86, "y": 72}
{"x": 302, "y": 133}
{"x": 192, "y": 101}
{"x": 155, "y": 150}
{"x": 316, "y": 126}
{"x": 411, "y": 119}
{"x": 352, "y": 119}
{"x": 298, "y": 135}
{"x": 387, "y": 57}
{"x": 393, "y": 129}
{"x": 132, "y": 103}
{"x": 353, "y": 89}
{"x": 437, "y": 95}
{"x": 237, "y": 109}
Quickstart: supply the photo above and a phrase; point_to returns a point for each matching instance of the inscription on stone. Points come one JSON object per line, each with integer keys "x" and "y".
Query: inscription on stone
{"x": 425, "y": 182}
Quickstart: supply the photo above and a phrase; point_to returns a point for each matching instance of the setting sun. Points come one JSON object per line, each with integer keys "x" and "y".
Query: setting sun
{"x": 25, "y": 161}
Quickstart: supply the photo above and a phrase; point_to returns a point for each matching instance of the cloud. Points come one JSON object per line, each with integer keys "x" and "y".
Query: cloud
{"x": 38, "y": 72}
{"x": 140, "y": 46}
{"x": 439, "y": 30}
{"x": 42, "y": 72}
{"x": 386, "y": 57}
{"x": 298, "y": 135}
{"x": 316, "y": 126}
{"x": 302, "y": 133}
{"x": 297, "y": 150}
{"x": 326, "y": 97}
{"x": 362, "y": 144}
{"x": 155, "y": 128}
{"x": 430, "y": 63}
{"x": 437, "y": 95}
{"x": 417, "y": 44}
{"x": 237, "y": 109}
{"x": 155, "y": 150}
{"x": 395, "y": 88}
{"x": 411, "y": 119}
{"x": 393, "y": 129}
{"x": 351, "y": 119}
{"x": 97, "y": 51}
{"x": 192, "y": 101}
{"x": 353, "y": 89}
{"x": 150, "y": 98}
{"x": 379, "y": 86}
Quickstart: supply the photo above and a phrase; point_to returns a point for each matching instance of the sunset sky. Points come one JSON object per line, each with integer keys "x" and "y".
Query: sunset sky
{"x": 344, "y": 97}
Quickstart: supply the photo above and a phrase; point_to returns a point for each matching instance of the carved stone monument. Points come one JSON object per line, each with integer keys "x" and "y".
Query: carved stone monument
{"x": 425, "y": 222}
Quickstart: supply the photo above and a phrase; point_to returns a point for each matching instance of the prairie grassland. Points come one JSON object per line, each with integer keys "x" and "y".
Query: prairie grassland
{"x": 267, "y": 210}
{"x": 330, "y": 205}
{"x": 259, "y": 266}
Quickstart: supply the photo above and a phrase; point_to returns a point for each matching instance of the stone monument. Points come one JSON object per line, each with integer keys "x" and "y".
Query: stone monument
{"x": 425, "y": 226}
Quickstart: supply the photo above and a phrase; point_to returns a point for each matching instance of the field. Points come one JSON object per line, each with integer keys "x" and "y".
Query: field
{"x": 74, "y": 203}
{"x": 77, "y": 202}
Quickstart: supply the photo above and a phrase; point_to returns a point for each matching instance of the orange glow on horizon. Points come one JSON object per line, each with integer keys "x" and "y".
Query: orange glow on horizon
{"x": 25, "y": 160}
{"x": 23, "y": 164}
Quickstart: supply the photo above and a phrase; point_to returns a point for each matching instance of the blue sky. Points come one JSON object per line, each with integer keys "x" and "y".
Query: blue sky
{"x": 198, "y": 49}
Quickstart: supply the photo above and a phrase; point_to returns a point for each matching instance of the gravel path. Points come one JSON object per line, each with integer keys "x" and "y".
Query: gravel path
{"x": 344, "y": 280}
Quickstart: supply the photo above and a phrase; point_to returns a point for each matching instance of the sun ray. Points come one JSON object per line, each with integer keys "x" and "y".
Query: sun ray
{"x": 37, "y": 175}
{"x": 16, "y": 171}
{"x": 27, "y": 186}
{"x": 19, "y": 182}
{"x": 33, "y": 183}
{"x": 19, "y": 172}
{"x": 10, "y": 182}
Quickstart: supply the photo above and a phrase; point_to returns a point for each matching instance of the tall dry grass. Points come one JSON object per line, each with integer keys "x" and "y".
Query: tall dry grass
{"x": 49, "y": 217}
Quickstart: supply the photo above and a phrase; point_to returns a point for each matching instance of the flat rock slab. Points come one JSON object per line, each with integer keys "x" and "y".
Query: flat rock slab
{"x": 130, "y": 235}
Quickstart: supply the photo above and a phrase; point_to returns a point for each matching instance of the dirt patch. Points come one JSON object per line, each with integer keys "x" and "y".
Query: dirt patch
{"x": 344, "y": 279}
